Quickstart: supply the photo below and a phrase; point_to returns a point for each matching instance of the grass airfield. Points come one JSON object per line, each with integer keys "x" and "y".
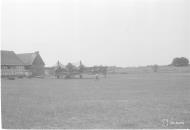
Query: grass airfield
{"x": 152, "y": 100}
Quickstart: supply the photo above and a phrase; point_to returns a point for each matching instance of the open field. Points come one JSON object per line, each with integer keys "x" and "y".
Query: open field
{"x": 149, "y": 69}
{"x": 120, "y": 101}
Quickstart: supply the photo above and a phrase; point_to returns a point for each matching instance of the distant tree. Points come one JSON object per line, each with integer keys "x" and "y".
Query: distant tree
{"x": 70, "y": 67}
{"x": 155, "y": 68}
{"x": 81, "y": 67}
{"x": 180, "y": 62}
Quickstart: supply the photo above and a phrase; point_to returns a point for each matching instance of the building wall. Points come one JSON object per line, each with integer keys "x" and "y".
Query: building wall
{"x": 7, "y": 70}
{"x": 37, "y": 68}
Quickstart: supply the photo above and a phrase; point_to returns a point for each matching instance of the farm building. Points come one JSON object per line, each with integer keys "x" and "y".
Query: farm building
{"x": 33, "y": 63}
{"x": 11, "y": 65}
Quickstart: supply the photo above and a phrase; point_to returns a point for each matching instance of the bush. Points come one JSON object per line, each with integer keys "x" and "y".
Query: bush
{"x": 180, "y": 62}
{"x": 70, "y": 67}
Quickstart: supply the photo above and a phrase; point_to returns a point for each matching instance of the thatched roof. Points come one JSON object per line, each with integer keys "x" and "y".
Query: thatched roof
{"x": 10, "y": 58}
{"x": 28, "y": 58}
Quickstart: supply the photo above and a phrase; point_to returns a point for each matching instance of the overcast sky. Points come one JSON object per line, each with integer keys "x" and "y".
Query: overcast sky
{"x": 98, "y": 32}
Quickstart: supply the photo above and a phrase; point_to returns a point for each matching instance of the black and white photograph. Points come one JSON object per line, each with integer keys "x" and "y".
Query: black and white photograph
{"x": 95, "y": 64}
